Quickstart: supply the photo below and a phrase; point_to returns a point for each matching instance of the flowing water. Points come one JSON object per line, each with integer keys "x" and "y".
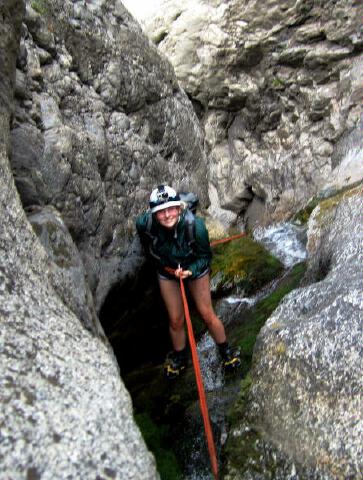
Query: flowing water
{"x": 286, "y": 243}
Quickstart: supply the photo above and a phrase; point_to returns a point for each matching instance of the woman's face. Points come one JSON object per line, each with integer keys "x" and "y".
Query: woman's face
{"x": 168, "y": 217}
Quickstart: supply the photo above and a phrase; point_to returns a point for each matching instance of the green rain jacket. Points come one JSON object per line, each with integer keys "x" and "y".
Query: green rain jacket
{"x": 171, "y": 248}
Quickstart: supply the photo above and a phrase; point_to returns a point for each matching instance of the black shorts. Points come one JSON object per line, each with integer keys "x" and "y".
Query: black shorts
{"x": 161, "y": 276}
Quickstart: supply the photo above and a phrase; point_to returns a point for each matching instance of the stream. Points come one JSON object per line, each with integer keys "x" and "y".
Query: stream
{"x": 286, "y": 242}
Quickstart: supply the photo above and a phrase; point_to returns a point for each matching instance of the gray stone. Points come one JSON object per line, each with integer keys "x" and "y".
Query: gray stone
{"x": 99, "y": 120}
{"x": 11, "y": 14}
{"x": 67, "y": 273}
{"x": 37, "y": 24}
{"x": 305, "y": 400}
{"x": 65, "y": 412}
{"x": 282, "y": 74}
{"x": 103, "y": 122}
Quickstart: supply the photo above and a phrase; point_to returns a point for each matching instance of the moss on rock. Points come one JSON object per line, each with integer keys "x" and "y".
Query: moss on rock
{"x": 332, "y": 202}
{"x": 244, "y": 447}
{"x": 157, "y": 439}
{"x": 40, "y": 6}
{"x": 235, "y": 413}
{"x": 325, "y": 200}
{"x": 160, "y": 406}
{"x": 243, "y": 264}
{"x": 245, "y": 334}
{"x": 303, "y": 215}
{"x": 241, "y": 450}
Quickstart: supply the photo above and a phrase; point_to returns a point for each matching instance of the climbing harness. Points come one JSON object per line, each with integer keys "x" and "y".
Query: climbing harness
{"x": 201, "y": 391}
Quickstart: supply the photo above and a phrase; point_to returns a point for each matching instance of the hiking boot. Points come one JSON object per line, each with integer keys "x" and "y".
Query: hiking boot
{"x": 174, "y": 364}
{"x": 231, "y": 357}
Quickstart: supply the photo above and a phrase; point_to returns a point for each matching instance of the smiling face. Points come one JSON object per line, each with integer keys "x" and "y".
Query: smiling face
{"x": 168, "y": 217}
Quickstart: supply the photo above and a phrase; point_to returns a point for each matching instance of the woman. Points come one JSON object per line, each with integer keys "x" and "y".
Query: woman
{"x": 164, "y": 235}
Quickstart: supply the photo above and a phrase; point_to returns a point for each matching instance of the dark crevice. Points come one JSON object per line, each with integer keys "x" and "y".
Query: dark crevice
{"x": 198, "y": 107}
{"x": 160, "y": 37}
{"x": 135, "y": 321}
{"x": 323, "y": 268}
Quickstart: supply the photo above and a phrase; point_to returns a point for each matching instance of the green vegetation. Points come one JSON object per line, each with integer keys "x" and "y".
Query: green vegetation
{"x": 303, "y": 215}
{"x": 40, "y": 6}
{"x": 245, "y": 334}
{"x": 326, "y": 200}
{"x": 244, "y": 264}
{"x": 156, "y": 438}
{"x": 160, "y": 406}
{"x": 277, "y": 83}
{"x": 236, "y": 412}
{"x": 244, "y": 450}
{"x": 333, "y": 201}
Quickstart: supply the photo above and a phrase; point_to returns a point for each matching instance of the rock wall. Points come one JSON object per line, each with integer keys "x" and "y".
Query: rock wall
{"x": 278, "y": 89}
{"x": 65, "y": 412}
{"x": 66, "y": 270}
{"x": 305, "y": 399}
{"x": 100, "y": 120}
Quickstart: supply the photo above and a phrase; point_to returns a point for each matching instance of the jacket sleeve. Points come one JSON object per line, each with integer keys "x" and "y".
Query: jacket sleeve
{"x": 141, "y": 222}
{"x": 203, "y": 251}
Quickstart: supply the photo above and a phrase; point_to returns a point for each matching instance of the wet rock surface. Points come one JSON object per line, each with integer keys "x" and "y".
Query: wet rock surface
{"x": 98, "y": 120}
{"x": 307, "y": 376}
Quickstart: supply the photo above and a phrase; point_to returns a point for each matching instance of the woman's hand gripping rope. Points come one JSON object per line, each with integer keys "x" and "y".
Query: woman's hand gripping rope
{"x": 182, "y": 274}
{"x": 179, "y": 272}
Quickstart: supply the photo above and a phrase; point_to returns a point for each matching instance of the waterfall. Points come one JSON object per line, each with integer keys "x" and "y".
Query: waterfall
{"x": 284, "y": 241}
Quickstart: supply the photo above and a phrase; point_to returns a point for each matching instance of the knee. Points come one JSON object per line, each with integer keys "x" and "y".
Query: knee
{"x": 208, "y": 316}
{"x": 177, "y": 323}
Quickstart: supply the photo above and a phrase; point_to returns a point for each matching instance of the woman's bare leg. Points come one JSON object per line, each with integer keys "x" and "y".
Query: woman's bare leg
{"x": 200, "y": 290}
{"x": 170, "y": 292}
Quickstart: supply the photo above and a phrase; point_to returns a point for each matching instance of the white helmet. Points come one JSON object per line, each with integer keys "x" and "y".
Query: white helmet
{"x": 163, "y": 197}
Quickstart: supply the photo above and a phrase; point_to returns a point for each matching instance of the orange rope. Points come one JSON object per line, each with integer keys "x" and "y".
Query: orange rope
{"x": 196, "y": 365}
{"x": 228, "y": 239}
{"x": 201, "y": 392}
